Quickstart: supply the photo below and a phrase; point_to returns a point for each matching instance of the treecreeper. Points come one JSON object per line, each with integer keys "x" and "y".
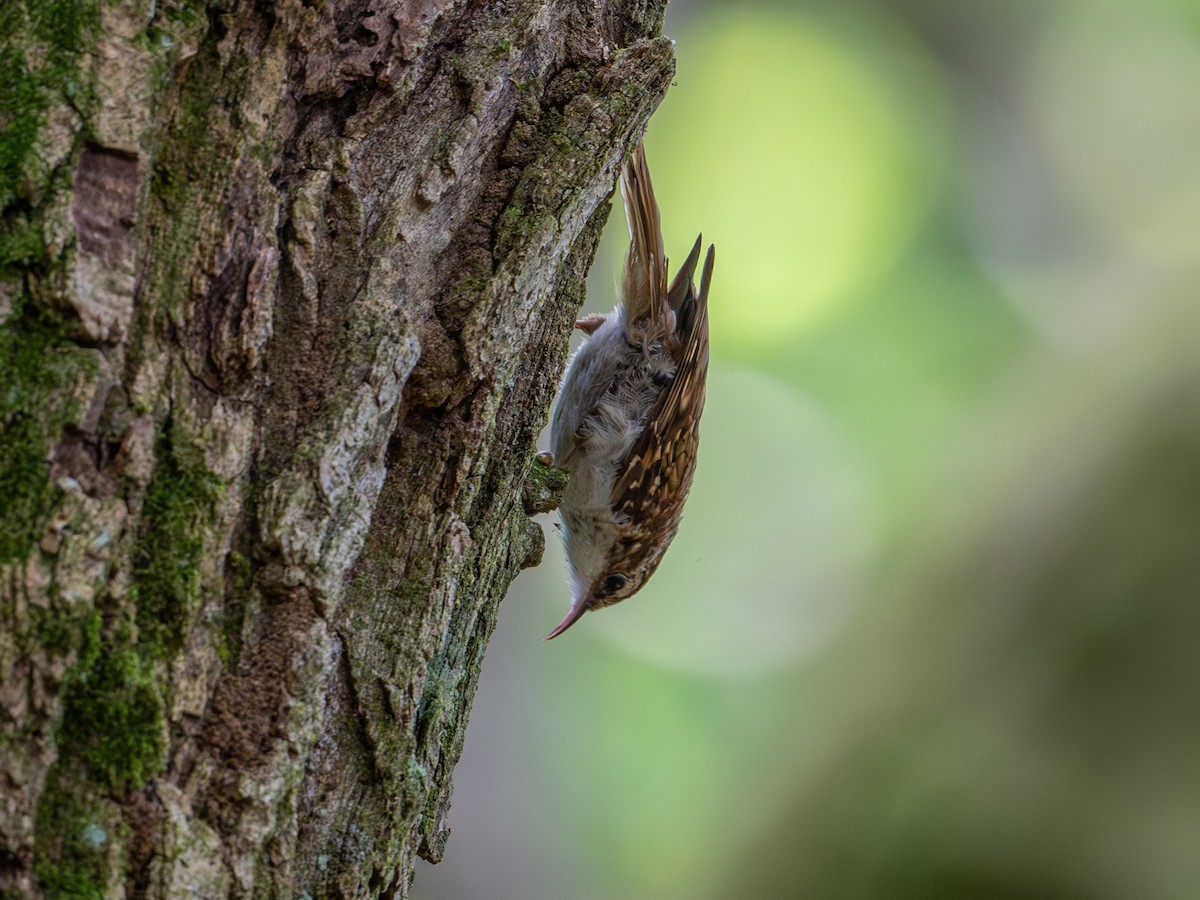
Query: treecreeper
{"x": 625, "y": 425}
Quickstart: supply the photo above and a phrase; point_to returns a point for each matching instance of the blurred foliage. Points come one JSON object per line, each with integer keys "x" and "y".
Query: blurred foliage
{"x": 929, "y": 628}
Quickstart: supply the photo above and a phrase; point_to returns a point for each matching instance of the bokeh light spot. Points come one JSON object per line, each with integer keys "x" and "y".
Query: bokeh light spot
{"x": 804, "y": 156}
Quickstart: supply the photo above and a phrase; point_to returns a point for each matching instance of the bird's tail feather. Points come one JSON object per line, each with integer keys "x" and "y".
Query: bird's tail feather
{"x": 644, "y": 285}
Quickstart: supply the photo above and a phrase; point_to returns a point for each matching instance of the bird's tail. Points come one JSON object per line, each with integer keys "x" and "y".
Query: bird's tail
{"x": 644, "y": 285}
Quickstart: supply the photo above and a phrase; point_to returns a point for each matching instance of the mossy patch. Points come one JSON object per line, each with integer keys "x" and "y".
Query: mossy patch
{"x": 176, "y": 20}
{"x": 43, "y": 42}
{"x": 21, "y": 243}
{"x": 75, "y": 833}
{"x": 184, "y": 170}
{"x": 37, "y": 368}
{"x": 543, "y": 487}
{"x": 112, "y": 709}
{"x": 39, "y": 65}
{"x": 179, "y": 505}
{"x": 112, "y": 705}
{"x": 111, "y": 737}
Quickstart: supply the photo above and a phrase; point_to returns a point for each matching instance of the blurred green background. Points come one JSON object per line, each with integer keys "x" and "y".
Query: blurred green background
{"x": 931, "y": 627}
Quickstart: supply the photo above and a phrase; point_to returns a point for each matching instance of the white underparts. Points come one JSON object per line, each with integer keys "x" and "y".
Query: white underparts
{"x": 607, "y": 393}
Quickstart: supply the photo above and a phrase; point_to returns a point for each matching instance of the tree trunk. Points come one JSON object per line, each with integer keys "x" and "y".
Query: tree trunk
{"x": 286, "y": 290}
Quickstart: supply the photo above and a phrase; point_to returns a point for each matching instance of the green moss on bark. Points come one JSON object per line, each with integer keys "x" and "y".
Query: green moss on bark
{"x": 38, "y": 366}
{"x": 112, "y": 705}
{"x": 40, "y": 52}
{"x": 39, "y": 65}
{"x": 543, "y": 487}
{"x": 112, "y": 719}
{"x": 185, "y": 171}
{"x": 76, "y": 835}
{"x": 112, "y": 733}
{"x": 178, "y": 508}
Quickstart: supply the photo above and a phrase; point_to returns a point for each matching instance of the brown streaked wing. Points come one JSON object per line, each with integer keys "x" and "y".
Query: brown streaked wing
{"x": 658, "y": 470}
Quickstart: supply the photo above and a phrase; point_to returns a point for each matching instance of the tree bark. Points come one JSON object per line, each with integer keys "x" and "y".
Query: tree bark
{"x": 286, "y": 289}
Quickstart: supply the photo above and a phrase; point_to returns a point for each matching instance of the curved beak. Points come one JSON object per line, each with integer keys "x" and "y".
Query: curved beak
{"x": 578, "y": 608}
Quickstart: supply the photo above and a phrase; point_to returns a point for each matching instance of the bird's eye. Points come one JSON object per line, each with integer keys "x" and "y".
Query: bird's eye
{"x": 613, "y": 583}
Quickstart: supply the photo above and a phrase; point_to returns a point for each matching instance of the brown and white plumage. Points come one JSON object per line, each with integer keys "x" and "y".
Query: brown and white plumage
{"x": 626, "y": 421}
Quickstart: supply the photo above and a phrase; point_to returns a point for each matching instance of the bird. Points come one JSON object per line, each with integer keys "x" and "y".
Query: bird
{"x": 625, "y": 422}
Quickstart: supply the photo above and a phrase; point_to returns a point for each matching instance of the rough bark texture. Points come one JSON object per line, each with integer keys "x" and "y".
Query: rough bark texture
{"x": 286, "y": 289}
